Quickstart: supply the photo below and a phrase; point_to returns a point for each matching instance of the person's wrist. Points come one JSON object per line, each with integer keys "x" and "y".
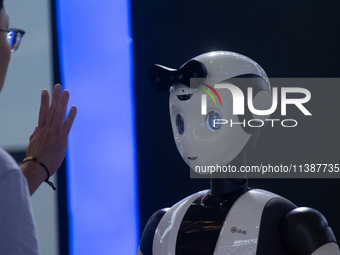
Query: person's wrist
{"x": 43, "y": 166}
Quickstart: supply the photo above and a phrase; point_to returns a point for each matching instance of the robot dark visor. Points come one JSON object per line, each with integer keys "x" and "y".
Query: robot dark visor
{"x": 162, "y": 78}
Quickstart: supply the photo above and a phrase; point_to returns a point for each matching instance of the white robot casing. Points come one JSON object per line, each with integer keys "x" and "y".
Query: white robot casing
{"x": 253, "y": 221}
{"x": 199, "y": 144}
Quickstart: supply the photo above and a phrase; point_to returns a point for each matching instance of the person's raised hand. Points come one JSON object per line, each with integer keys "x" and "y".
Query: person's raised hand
{"x": 48, "y": 143}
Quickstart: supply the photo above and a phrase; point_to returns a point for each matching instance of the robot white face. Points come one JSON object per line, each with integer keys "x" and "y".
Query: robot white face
{"x": 217, "y": 136}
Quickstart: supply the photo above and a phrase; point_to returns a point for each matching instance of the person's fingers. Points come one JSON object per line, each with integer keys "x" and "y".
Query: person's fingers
{"x": 60, "y": 112}
{"x": 44, "y": 107}
{"x": 56, "y": 97}
{"x": 68, "y": 122}
{"x": 34, "y": 133}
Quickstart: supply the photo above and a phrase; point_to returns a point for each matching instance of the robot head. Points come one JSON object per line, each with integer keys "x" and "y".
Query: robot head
{"x": 207, "y": 95}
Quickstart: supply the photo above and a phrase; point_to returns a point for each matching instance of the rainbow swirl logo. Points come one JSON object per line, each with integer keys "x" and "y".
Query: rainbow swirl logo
{"x": 209, "y": 93}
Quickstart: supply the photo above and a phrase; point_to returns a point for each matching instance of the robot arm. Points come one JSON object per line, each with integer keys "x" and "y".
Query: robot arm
{"x": 329, "y": 248}
{"x": 145, "y": 247}
{"x": 305, "y": 231}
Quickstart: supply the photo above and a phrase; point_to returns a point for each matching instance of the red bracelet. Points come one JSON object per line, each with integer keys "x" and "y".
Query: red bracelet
{"x": 48, "y": 173}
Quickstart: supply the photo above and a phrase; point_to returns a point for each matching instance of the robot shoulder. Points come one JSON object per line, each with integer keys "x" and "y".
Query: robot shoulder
{"x": 149, "y": 231}
{"x": 303, "y": 230}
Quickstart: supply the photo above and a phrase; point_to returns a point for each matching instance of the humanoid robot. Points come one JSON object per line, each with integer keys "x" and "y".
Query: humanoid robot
{"x": 230, "y": 218}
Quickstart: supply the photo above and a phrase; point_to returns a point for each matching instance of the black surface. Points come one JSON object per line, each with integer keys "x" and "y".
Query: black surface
{"x": 288, "y": 39}
{"x": 63, "y": 217}
{"x": 304, "y": 230}
{"x": 270, "y": 240}
{"x": 146, "y": 241}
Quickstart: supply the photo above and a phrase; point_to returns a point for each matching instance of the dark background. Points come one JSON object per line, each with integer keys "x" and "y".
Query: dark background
{"x": 288, "y": 39}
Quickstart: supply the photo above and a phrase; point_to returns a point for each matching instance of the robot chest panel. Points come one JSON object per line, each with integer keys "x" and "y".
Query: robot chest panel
{"x": 190, "y": 228}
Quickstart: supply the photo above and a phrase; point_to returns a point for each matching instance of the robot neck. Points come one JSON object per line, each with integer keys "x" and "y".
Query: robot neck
{"x": 220, "y": 186}
{"x": 228, "y": 185}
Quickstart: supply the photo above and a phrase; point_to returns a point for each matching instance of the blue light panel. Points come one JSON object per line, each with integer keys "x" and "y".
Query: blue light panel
{"x": 97, "y": 68}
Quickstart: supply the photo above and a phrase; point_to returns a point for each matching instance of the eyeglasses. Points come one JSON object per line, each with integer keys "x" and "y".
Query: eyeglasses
{"x": 13, "y": 37}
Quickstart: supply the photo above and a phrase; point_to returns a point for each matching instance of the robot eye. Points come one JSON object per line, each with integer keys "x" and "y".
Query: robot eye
{"x": 180, "y": 124}
{"x": 210, "y": 122}
{"x": 184, "y": 97}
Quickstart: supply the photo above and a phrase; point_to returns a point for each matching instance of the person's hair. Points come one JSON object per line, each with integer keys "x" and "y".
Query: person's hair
{"x": 1, "y": 4}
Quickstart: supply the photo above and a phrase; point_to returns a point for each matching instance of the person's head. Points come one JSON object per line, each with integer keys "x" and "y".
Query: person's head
{"x": 207, "y": 114}
{"x": 9, "y": 42}
{"x": 5, "y": 49}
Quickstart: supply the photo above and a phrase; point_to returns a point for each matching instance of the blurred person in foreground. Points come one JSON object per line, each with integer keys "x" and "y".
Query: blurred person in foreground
{"x": 45, "y": 153}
